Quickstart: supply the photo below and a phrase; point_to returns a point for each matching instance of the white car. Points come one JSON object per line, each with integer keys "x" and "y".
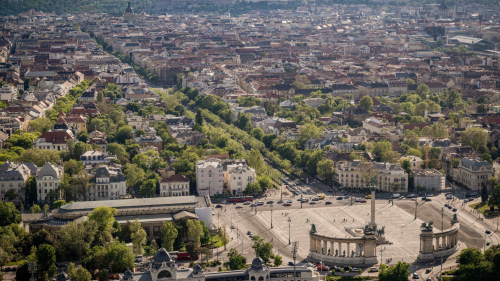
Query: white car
{"x": 288, "y": 201}
{"x": 260, "y": 203}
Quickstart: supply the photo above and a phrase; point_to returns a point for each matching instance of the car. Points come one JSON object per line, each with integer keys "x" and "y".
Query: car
{"x": 232, "y": 227}
{"x": 315, "y": 199}
{"x": 355, "y": 269}
{"x": 287, "y": 204}
{"x": 415, "y": 276}
{"x": 346, "y": 268}
{"x": 410, "y": 196}
{"x": 309, "y": 264}
{"x": 223, "y": 201}
{"x": 346, "y": 197}
{"x": 247, "y": 203}
{"x": 454, "y": 209}
{"x": 338, "y": 269}
{"x": 428, "y": 199}
{"x": 253, "y": 205}
{"x": 269, "y": 202}
{"x": 368, "y": 197}
{"x": 423, "y": 198}
{"x": 139, "y": 258}
{"x": 387, "y": 197}
{"x": 430, "y": 195}
{"x": 473, "y": 194}
{"x": 291, "y": 263}
{"x": 289, "y": 201}
{"x": 446, "y": 205}
{"x": 363, "y": 201}
{"x": 428, "y": 279}
{"x": 299, "y": 199}
{"x": 488, "y": 243}
{"x": 321, "y": 267}
{"x": 239, "y": 206}
{"x": 251, "y": 236}
{"x": 280, "y": 201}
{"x": 488, "y": 232}
{"x": 468, "y": 195}
{"x": 260, "y": 203}
{"x": 305, "y": 200}
{"x": 428, "y": 270}
{"x": 312, "y": 203}
{"x": 328, "y": 203}
{"x": 373, "y": 269}
{"x": 340, "y": 198}
{"x": 218, "y": 206}
{"x": 450, "y": 207}
{"x": 249, "y": 232}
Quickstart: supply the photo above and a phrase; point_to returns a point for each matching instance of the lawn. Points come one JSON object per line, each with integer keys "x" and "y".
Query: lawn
{"x": 482, "y": 208}
{"x": 217, "y": 243}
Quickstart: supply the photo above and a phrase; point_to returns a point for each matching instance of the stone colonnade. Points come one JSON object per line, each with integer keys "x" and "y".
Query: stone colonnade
{"x": 338, "y": 247}
{"x": 438, "y": 244}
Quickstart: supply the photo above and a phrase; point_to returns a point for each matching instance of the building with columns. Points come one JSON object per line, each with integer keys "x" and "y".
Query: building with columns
{"x": 438, "y": 244}
{"x": 48, "y": 183}
{"x": 164, "y": 267}
{"x": 474, "y": 172}
{"x": 209, "y": 177}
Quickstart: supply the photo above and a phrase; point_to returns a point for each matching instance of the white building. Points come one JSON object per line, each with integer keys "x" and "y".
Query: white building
{"x": 8, "y": 93}
{"x": 474, "y": 173}
{"x": 357, "y": 135}
{"x": 431, "y": 179}
{"x": 375, "y": 125}
{"x": 95, "y": 157}
{"x": 48, "y": 183}
{"x": 107, "y": 185}
{"x": 314, "y": 102}
{"x": 176, "y": 185}
{"x": 209, "y": 177}
{"x": 13, "y": 176}
{"x": 238, "y": 177}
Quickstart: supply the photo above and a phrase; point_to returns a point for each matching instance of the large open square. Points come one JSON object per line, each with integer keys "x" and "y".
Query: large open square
{"x": 400, "y": 227}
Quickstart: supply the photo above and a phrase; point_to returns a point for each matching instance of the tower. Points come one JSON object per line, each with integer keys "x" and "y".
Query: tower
{"x": 129, "y": 13}
{"x": 372, "y": 189}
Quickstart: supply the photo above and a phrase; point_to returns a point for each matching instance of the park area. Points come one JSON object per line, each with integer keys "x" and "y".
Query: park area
{"x": 484, "y": 209}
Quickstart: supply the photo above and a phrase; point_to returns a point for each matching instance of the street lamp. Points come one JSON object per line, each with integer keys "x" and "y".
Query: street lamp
{"x": 32, "y": 269}
{"x": 271, "y": 216}
{"x": 381, "y": 252}
{"x": 416, "y": 206}
{"x": 289, "y": 221}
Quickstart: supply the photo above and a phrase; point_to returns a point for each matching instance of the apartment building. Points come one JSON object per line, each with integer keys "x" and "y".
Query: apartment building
{"x": 431, "y": 179}
{"x": 13, "y": 176}
{"x": 175, "y": 185}
{"x": 238, "y": 177}
{"x": 474, "y": 172}
{"x": 388, "y": 176}
{"x": 48, "y": 183}
{"x": 209, "y": 177}
{"x": 107, "y": 184}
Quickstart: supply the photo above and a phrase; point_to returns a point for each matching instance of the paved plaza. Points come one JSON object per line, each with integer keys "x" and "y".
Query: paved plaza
{"x": 400, "y": 227}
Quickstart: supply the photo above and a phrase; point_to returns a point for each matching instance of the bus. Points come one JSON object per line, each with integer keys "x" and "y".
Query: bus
{"x": 182, "y": 256}
{"x": 241, "y": 199}
{"x": 321, "y": 196}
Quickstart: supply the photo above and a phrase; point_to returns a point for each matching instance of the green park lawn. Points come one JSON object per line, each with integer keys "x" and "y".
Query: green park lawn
{"x": 348, "y": 278}
{"x": 482, "y": 208}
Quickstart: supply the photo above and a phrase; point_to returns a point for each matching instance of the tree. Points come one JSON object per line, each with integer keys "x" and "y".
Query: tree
{"x": 59, "y": 203}
{"x": 133, "y": 174}
{"x": 153, "y": 248}
{"x": 263, "y": 250}
{"x": 255, "y": 161}
{"x": 46, "y": 208}
{"x": 398, "y": 272}
{"x": 301, "y": 82}
{"x": 470, "y": 256}
{"x": 236, "y": 260}
{"x": 492, "y": 182}
{"x": 27, "y": 82}
{"x": 138, "y": 235}
{"x": 366, "y": 103}
{"x": 35, "y": 209}
{"x": 423, "y": 90}
{"x": 475, "y": 137}
{"x": 80, "y": 184}
{"x": 494, "y": 200}
{"x": 243, "y": 121}
{"x": 120, "y": 257}
{"x": 205, "y": 239}
{"x": 309, "y": 131}
{"x": 82, "y": 136}
{"x": 123, "y": 134}
{"x": 81, "y": 274}
{"x": 278, "y": 260}
{"x": 257, "y": 133}
{"x": 41, "y": 125}
{"x": 169, "y": 234}
{"x": 148, "y": 188}
{"x": 103, "y": 275}
{"x": 39, "y": 156}
{"x": 46, "y": 259}
{"x": 484, "y": 194}
{"x": 11, "y": 194}
{"x": 325, "y": 169}
{"x": 410, "y": 82}
{"x": 104, "y": 217}
{"x": 199, "y": 117}
{"x": 9, "y": 214}
{"x": 487, "y": 157}
{"x": 195, "y": 231}
{"x": 76, "y": 238}
{"x": 223, "y": 236}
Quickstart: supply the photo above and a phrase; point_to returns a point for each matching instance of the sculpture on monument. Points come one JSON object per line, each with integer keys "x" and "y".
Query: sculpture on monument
{"x": 313, "y": 228}
{"x": 454, "y": 220}
{"x": 352, "y": 253}
{"x": 381, "y": 232}
{"x": 369, "y": 230}
{"x": 426, "y": 227}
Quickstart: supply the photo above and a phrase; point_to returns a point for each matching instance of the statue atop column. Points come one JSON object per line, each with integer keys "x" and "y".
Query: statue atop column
{"x": 454, "y": 220}
{"x": 426, "y": 227}
{"x": 372, "y": 188}
{"x": 313, "y": 228}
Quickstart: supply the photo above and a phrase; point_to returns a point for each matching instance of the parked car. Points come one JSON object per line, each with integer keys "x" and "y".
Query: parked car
{"x": 340, "y": 198}
{"x": 446, "y": 205}
{"x": 289, "y": 201}
{"x": 260, "y": 203}
{"x": 454, "y": 209}
{"x": 355, "y": 269}
{"x": 270, "y": 202}
{"x": 415, "y": 276}
{"x": 232, "y": 227}
{"x": 428, "y": 270}
{"x": 450, "y": 207}
{"x": 428, "y": 199}
{"x": 247, "y": 203}
{"x": 139, "y": 258}
{"x": 312, "y": 203}
{"x": 368, "y": 197}
{"x": 291, "y": 263}
{"x": 287, "y": 204}
{"x": 328, "y": 203}
{"x": 346, "y": 197}
{"x": 321, "y": 267}
{"x": 488, "y": 232}
{"x": 218, "y": 206}
{"x": 249, "y": 232}
{"x": 410, "y": 196}
{"x": 223, "y": 201}
{"x": 239, "y": 206}
{"x": 373, "y": 269}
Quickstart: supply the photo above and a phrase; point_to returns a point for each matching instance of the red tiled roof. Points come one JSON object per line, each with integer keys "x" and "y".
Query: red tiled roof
{"x": 56, "y": 137}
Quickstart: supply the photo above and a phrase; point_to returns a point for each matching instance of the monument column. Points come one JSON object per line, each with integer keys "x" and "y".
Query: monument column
{"x": 340, "y": 249}
{"x": 348, "y": 250}
{"x": 372, "y": 221}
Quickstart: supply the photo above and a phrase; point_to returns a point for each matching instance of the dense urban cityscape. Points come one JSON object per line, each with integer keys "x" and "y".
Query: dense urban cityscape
{"x": 223, "y": 140}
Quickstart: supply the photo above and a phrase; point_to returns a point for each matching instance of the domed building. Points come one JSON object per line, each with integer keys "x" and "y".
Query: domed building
{"x": 163, "y": 267}
{"x": 129, "y": 13}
